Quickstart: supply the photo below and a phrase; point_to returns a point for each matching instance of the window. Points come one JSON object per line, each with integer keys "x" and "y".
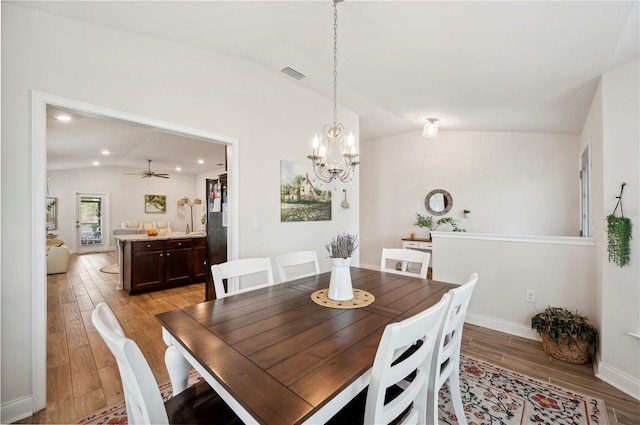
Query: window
{"x": 584, "y": 192}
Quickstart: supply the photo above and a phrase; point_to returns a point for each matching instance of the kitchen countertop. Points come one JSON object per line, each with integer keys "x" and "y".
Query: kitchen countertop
{"x": 145, "y": 237}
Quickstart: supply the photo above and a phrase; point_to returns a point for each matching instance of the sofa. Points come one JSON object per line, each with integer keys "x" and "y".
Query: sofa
{"x": 163, "y": 227}
{"x": 57, "y": 256}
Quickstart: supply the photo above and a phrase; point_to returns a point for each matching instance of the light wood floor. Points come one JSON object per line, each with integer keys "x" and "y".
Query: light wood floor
{"x": 82, "y": 375}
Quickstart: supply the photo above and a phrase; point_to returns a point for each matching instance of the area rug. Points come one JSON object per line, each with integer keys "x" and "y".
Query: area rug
{"x": 112, "y": 268}
{"x": 491, "y": 396}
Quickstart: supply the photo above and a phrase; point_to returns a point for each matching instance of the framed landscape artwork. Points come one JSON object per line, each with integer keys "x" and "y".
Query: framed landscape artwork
{"x": 302, "y": 198}
{"x": 155, "y": 203}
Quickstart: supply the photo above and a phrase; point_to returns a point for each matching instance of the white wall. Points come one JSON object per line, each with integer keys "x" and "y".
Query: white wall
{"x": 216, "y": 93}
{"x": 558, "y": 269}
{"x": 126, "y": 197}
{"x": 513, "y": 183}
{"x": 591, "y": 138}
{"x": 620, "y": 352}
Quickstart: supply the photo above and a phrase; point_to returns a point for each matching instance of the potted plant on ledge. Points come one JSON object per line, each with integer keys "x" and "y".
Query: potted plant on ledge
{"x": 565, "y": 335}
{"x": 430, "y": 223}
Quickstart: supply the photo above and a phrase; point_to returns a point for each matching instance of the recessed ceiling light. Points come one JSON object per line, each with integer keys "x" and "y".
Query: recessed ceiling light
{"x": 105, "y": 152}
{"x": 178, "y": 169}
{"x": 96, "y": 163}
{"x": 200, "y": 161}
{"x": 63, "y": 117}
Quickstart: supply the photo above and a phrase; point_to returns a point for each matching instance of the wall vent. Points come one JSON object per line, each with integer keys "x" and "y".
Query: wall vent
{"x": 292, "y": 73}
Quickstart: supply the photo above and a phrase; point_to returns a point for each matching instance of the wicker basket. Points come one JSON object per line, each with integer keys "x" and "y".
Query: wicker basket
{"x": 567, "y": 350}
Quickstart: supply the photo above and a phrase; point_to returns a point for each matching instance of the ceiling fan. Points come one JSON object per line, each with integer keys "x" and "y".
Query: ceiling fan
{"x": 149, "y": 173}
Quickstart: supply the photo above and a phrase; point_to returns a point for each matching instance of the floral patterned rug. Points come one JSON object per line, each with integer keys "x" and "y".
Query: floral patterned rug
{"x": 491, "y": 396}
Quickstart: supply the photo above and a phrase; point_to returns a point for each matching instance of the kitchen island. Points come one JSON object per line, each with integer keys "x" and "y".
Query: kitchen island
{"x": 152, "y": 263}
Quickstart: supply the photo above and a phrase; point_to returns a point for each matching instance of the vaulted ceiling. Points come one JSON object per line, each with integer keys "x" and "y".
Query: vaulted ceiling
{"x": 529, "y": 66}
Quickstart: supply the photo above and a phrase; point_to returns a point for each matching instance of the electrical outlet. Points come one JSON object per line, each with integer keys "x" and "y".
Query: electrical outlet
{"x": 530, "y": 295}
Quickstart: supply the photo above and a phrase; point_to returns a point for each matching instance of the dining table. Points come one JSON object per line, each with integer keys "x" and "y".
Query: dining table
{"x": 276, "y": 356}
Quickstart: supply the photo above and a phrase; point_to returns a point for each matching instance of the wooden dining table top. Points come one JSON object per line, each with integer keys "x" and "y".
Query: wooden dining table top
{"x": 281, "y": 355}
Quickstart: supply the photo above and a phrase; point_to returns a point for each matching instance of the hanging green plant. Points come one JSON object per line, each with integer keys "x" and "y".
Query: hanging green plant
{"x": 619, "y": 235}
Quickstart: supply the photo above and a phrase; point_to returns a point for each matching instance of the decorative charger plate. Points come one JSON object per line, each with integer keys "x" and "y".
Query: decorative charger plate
{"x": 360, "y": 299}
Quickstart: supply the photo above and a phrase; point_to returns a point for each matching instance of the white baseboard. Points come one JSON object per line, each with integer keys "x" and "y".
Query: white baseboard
{"x": 15, "y": 410}
{"x": 614, "y": 377}
{"x": 512, "y": 328}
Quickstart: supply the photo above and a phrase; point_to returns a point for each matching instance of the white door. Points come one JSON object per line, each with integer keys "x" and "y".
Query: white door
{"x": 91, "y": 225}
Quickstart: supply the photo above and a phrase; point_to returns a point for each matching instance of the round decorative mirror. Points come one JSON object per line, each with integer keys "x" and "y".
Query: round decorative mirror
{"x": 438, "y": 202}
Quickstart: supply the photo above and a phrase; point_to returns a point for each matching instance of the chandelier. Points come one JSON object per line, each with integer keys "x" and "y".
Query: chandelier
{"x": 334, "y": 153}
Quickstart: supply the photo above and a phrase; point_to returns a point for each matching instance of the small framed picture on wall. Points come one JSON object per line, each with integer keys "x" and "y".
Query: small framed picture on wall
{"x": 155, "y": 203}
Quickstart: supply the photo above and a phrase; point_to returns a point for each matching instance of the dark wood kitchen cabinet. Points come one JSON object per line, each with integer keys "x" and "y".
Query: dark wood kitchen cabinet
{"x": 155, "y": 264}
{"x": 199, "y": 260}
{"x": 147, "y": 265}
{"x": 178, "y": 262}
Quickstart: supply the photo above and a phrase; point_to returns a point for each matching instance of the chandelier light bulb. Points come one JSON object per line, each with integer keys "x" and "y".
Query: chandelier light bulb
{"x": 323, "y": 152}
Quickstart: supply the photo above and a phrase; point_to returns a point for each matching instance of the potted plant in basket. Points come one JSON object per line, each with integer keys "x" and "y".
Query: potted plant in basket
{"x": 566, "y": 336}
{"x": 340, "y": 250}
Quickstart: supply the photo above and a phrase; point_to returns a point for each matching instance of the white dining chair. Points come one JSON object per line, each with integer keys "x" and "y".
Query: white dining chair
{"x": 408, "y": 258}
{"x": 405, "y": 349}
{"x": 234, "y": 269}
{"x": 446, "y": 364}
{"x": 143, "y": 400}
{"x": 298, "y": 261}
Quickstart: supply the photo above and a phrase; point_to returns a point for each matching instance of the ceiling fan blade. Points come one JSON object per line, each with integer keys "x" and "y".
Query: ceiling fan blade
{"x": 148, "y": 173}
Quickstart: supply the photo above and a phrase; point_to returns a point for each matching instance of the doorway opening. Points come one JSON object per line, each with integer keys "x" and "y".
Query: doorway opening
{"x": 39, "y": 104}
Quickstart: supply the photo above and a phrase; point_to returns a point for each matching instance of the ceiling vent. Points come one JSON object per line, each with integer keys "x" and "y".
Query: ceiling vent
{"x": 292, "y": 73}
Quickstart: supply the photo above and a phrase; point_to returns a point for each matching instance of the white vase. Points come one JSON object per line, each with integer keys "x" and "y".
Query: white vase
{"x": 340, "y": 288}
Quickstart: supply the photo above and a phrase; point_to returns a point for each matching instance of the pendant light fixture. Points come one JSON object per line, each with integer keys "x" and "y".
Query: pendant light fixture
{"x": 430, "y": 128}
{"x": 334, "y": 153}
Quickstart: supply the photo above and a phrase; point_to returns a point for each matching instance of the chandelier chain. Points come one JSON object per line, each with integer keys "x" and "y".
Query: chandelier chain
{"x": 334, "y": 155}
{"x": 335, "y": 63}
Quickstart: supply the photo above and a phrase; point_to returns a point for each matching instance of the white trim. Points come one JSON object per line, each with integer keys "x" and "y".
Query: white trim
{"x": 38, "y": 249}
{"x": 558, "y": 240}
{"x": 39, "y": 102}
{"x": 17, "y": 409}
{"x": 505, "y": 326}
{"x": 616, "y": 378}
